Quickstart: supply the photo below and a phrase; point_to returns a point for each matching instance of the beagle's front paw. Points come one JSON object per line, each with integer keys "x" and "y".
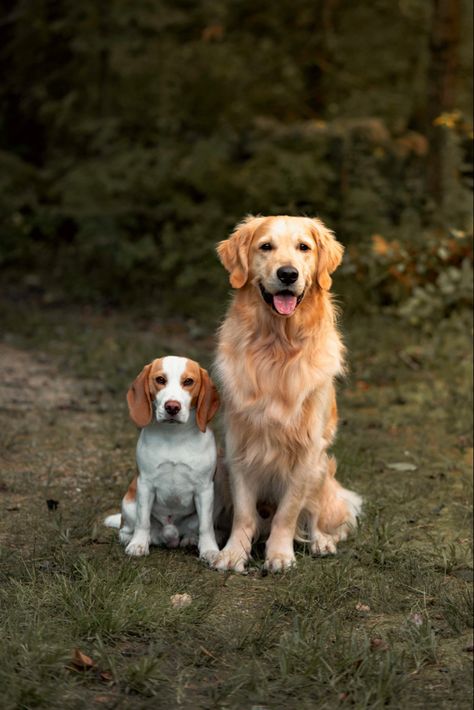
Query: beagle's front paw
{"x": 230, "y": 558}
{"x": 138, "y": 546}
{"x": 209, "y": 556}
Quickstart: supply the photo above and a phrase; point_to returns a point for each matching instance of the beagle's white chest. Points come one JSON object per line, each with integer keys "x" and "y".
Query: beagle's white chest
{"x": 176, "y": 461}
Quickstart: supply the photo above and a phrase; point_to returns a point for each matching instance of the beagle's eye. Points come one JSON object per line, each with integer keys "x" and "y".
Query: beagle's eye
{"x": 265, "y": 247}
{"x": 188, "y": 382}
{"x": 160, "y": 380}
{"x": 303, "y": 247}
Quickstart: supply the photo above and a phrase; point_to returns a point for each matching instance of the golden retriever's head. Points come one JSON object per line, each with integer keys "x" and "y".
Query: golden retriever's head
{"x": 283, "y": 257}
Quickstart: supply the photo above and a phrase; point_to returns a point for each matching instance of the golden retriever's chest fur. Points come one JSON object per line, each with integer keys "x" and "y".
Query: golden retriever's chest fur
{"x": 278, "y": 388}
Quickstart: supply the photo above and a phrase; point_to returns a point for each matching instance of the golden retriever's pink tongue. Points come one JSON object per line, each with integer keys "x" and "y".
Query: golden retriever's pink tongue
{"x": 285, "y": 304}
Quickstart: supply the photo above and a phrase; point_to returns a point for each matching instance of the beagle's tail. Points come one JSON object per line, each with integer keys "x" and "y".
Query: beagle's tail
{"x": 113, "y": 521}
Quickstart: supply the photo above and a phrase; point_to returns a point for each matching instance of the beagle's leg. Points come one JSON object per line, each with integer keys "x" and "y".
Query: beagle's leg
{"x": 140, "y": 542}
{"x": 235, "y": 554}
{"x": 204, "y": 500}
{"x": 129, "y": 515}
{"x": 129, "y": 512}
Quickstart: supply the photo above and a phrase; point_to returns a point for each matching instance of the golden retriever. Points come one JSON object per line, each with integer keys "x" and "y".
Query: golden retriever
{"x": 278, "y": 354}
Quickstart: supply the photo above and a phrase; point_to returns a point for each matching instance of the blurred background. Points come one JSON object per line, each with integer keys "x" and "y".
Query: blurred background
{"x": 133, "y": 136}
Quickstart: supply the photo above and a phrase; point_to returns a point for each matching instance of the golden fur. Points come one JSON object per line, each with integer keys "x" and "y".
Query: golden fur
{"x": 277, "y": 375}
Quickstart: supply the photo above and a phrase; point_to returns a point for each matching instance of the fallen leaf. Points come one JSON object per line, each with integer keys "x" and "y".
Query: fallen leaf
{"x": 180, "y": 601}
{"x": 362, "y": 607}
{"x": 106, "y": 676}
{"x": 378, "y": 644}
{"x": 81, "y": 661}
{"x": 402, "y": 466}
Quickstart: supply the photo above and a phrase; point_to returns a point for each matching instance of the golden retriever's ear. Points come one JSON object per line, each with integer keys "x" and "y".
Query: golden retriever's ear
{"x": 330, "y": 253}
{"x": 234, "y": 252}
{"x": 207, "y": 402}
{"x": 139, "y": 398}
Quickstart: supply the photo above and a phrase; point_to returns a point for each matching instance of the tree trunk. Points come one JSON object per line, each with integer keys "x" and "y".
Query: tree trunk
{"x": 443, "y": 80}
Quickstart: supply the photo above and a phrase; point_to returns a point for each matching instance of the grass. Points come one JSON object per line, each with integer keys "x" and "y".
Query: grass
{"x": 386, "y": 623}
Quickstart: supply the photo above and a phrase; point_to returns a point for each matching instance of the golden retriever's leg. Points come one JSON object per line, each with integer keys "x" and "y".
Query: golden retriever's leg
{"x": 235, "y": 554}
{"x": 280, "y": 553}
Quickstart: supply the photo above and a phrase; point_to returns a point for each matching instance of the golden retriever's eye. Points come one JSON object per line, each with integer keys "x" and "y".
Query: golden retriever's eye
{"x": 266, "y": 247}
{"x": 188, "y": 382}
{"x": 160, "y": 380}
{"x": 304, "y": 247}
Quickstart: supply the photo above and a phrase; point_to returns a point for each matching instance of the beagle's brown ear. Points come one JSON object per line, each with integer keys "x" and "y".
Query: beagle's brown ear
{"x": 207, "y": 401}
{"x": 234, "y": 251}
{"x": 139, "y": 398}
{"x": 330, "y": 253}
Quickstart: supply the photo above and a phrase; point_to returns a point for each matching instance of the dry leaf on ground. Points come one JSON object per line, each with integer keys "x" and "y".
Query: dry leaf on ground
{"x": 402, "y": 466}
{"x": 180, "y": 601}
{"x": 81, "y": 661}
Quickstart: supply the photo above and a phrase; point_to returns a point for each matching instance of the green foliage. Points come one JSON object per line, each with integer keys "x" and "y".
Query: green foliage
{"x": 427, "y": 276}
{"x": 134, "y": 136}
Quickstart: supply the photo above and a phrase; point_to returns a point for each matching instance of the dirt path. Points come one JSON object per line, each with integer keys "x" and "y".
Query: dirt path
{"x": 54, "y": 437}
{"x": 32, "y": 385}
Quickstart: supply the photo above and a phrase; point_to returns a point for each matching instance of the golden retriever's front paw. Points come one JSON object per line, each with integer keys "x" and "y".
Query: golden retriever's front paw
{"x": 279, "y": 561}
{"x": 323, "y": 545}
{"x": 230, "y": 559}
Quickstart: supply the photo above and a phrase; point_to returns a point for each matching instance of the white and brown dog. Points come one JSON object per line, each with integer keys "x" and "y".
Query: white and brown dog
{"x": 171, "y": 499}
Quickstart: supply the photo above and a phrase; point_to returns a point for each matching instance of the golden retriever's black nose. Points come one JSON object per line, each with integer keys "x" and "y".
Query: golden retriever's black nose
{"x": 287, "y": 274}
{"x": 172, "y": 407}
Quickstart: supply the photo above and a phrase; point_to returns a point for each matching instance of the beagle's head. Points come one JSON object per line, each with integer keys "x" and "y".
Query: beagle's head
{"x": 168, "y": 389}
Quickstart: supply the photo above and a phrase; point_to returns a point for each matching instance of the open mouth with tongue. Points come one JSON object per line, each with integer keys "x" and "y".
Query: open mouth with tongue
{"x": 283, "y": 302}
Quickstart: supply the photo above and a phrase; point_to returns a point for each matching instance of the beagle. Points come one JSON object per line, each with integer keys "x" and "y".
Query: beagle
{"x": 171, "y": 499}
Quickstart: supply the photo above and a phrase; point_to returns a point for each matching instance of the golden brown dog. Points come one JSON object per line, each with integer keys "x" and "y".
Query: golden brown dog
{"x": 278, "y": 354}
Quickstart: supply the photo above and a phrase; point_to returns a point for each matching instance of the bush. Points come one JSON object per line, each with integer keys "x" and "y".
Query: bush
{"x": 135, "y": 136}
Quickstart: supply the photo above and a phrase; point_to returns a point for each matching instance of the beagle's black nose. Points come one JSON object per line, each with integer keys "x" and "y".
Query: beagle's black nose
{"x": 287, "y": 274}
{"x": 172, "y": 407}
